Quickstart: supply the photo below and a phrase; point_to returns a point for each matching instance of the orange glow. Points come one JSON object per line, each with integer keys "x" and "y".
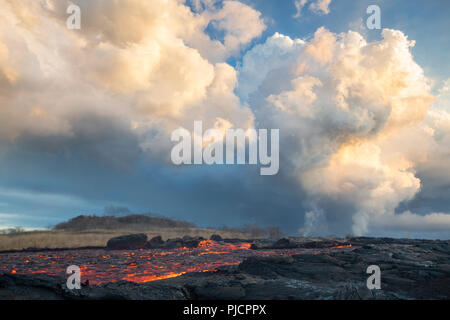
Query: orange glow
{"x": 205, "y": 243}
{"x": 344, "y": 246}
{"x": 142, "y": 279}
{"x": 101, "y": 266}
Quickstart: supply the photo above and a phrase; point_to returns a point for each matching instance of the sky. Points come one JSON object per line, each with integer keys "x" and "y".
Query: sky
{"x": 86, "y": 115}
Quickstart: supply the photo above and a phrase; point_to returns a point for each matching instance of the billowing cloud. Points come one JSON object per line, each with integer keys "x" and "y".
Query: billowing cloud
{"x": 348, "y": 115}
{"x": 103, "y": 101}
{"x": 158, "y": 72}
{"x": 262, "y": 60}
{"x": 408, "y": 221}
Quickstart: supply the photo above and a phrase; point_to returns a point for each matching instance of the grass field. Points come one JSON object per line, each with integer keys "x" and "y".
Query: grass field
{"x": 99, "y": 237}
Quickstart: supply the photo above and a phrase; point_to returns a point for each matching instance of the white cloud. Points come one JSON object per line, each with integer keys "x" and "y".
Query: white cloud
{"x": 149, "y": 65}
{"x": 352, "y": 113}
{"x": 348, "y": 111}
{"x": 443, "y": 97}
{"x": 300, "y": 99}
{"x": 299, "y": 4}
{"x": 240, "y": 22}
{"x": 408, "y": 221}
{"x": 277, "y": 51}
{"x": 317, "y": 6}
{"x": 321, "y": 6}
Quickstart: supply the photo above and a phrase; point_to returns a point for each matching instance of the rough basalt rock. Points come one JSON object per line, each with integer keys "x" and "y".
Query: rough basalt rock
{"x": 186, "y": 241}
{"x": 410, "y": 269}
{"x": 291, "y": 243}
{"x": 127, "y": 242}
{"x": 216, "y": 237}
{"x": 155, "y": 242}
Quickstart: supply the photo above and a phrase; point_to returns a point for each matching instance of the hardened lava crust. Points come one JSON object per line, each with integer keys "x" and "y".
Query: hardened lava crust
{"x": 232, "y": 269}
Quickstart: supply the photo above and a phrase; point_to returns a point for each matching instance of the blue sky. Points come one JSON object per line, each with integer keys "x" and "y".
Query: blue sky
{"x": 423, "y": 21}
{"x": 50, "y": 173}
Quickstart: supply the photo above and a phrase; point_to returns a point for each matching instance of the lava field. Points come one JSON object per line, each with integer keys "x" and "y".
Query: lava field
{"x": 101, "y": 266}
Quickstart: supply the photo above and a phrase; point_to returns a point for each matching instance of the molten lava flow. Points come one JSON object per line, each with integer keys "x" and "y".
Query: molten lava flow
{"x": 343, "y": 246}
{"x": 103, "y": 266}
{"x": 141, "y": 279}
{"x": 205, "y": 243}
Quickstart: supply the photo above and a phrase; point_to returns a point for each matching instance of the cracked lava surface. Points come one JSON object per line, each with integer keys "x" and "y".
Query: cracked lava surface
{"x": 101, "y": 266}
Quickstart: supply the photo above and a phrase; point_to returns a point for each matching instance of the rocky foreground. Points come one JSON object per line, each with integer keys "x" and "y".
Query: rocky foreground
{"x": 410, "y": 269}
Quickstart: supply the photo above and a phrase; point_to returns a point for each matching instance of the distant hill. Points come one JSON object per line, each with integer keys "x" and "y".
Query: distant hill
{"x": 129, "y": 222}
{"x": 95, "y": 231}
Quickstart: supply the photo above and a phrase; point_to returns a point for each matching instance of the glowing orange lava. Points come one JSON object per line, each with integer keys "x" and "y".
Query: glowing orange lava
{"x": 141, "y": 279}
{"x": 343, "y": 246}
{"x": 103, "y": 266}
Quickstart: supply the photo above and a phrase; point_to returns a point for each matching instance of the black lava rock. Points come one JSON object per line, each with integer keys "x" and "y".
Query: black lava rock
{"x": 216, "y": 237}
{"x": 127, "y": 242}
